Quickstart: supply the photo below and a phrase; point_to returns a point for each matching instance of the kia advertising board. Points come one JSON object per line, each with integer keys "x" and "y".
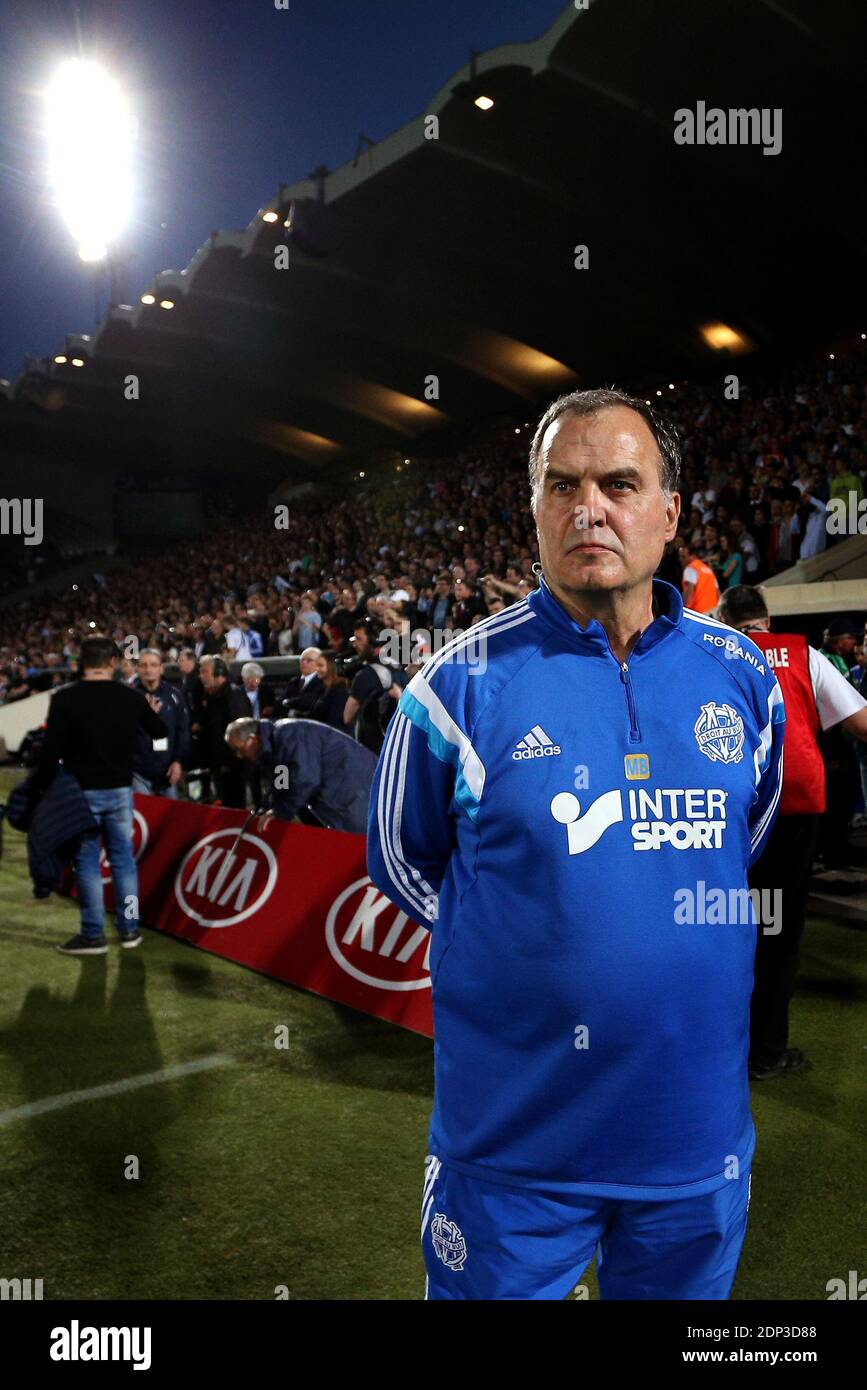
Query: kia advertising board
{"x": 294, "y": 902}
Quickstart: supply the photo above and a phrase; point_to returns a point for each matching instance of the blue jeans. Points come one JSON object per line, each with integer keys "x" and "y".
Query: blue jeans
{"x": 112, "y": 808}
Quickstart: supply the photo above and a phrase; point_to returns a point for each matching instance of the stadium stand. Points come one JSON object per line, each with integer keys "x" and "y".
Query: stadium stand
{"x": 758, "y": 475}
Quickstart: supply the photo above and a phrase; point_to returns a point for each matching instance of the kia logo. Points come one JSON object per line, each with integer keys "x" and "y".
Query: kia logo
{"x": 139, "y": 845}
{"x": 376, "y": 943}
{"x": 225, "y": 878}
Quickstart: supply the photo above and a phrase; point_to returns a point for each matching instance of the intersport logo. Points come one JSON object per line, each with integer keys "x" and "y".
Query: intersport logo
{"x": 139, "y": 845}
{"x": 225, "y": 878}
{"x": 376, "y": 943}
{"x": 693, "y": 818}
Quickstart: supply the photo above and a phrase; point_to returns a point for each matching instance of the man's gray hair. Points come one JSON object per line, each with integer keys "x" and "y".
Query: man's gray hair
{"x": 583, "y": 403}
{"x": 252, "y": 668}
{"x": 240, "y": 730}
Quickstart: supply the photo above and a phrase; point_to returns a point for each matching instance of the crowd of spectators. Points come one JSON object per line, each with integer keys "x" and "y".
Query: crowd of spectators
{"x": 445, "y": 542}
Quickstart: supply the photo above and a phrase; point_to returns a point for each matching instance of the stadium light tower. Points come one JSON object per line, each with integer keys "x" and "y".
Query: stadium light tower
{"x": 90, "y": 130}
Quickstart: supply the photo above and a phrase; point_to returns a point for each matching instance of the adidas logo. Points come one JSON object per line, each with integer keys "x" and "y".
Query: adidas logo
{"x": 535, "y": 744}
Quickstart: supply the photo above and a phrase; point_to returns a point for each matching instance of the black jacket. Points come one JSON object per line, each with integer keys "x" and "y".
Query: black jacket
{"x": 153, "y": 763}
{"x": 54, "y": 822}
{"x": 221, "y": 707}
{"x": 92, "y": 729}
{"x": 302, "y": 699}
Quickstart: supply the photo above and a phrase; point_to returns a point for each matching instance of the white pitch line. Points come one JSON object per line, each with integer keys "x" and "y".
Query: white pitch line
{"x": 113, "y": 1088}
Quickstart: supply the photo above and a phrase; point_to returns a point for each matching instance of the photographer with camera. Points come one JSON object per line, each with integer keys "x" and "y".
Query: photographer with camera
{"x": 376, "y": 686}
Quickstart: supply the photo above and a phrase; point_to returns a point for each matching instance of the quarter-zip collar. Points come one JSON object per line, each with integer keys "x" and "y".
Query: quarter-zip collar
{"x": 593, "y": 638}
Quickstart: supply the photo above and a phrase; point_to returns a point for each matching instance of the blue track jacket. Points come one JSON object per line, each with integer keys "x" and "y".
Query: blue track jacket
{"x": 568, "y": 827}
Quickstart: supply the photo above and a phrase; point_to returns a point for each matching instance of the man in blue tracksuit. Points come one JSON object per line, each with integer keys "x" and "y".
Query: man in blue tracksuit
{"x": 158, "y": 762}
{"x": 307, "y": 769}
{"x": 570, "y": 795}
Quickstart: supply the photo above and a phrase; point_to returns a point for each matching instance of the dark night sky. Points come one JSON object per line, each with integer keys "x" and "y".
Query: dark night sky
{"x": 233, "y": 97}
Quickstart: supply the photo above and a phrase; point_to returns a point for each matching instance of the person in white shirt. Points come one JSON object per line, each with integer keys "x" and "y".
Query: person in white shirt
{"x": 816, "y": 526}
{"x": 705, "y": 499}
{"x": 238, "y": 640}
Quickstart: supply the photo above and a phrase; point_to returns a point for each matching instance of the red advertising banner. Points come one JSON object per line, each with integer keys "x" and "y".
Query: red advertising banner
{"x": 294, "y": 902}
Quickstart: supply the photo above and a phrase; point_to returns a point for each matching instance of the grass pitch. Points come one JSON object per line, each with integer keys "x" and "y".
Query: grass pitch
{"x": 302, "y": 1166}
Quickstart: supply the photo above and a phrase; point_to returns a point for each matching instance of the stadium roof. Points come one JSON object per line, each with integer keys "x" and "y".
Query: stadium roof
{"x": 454, "y": 257}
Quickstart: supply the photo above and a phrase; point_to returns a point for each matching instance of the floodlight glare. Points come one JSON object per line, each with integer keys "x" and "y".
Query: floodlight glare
{"x": 484, "y": 103}
{"x": 89, "y": 128}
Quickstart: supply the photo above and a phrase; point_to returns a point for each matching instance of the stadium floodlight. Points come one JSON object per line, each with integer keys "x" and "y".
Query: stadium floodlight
{"x": 484, "y": 103}
{"x": 148, "y": 299}
{"x": 167, "y": 304}
{"x": 78, "y": 361}
{"x": 89, "y": 129}
{"x": 270, "y": 215}
{"x": 60, "y": 359}
{"x": 722, "y": 338}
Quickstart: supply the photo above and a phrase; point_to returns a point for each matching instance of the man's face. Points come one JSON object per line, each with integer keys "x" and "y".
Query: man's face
{"x": 187, "y": 664}
{"x": 601, "y": 516}
{"x": 150, "y": 669}
{"x": 307, "y": 662}
{"x": 361, "y": 642}
{"x": 252, "y": 683}
{"x": 249, "y": 750}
